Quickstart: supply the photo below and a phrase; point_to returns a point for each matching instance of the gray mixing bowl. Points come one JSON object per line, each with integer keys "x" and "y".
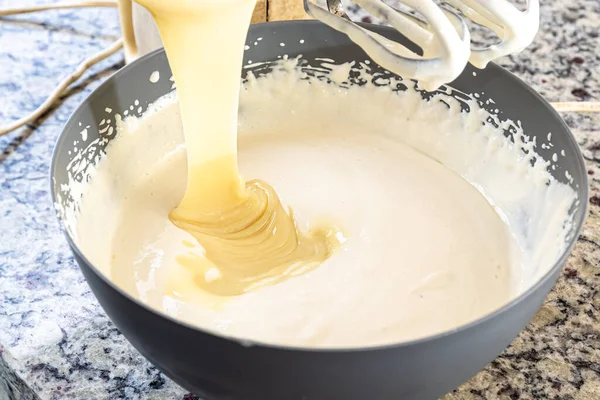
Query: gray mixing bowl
{"x": 218, "y": 368}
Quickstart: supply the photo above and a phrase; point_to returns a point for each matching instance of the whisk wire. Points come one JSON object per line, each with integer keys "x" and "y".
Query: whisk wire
{"x": 442, "y": 34}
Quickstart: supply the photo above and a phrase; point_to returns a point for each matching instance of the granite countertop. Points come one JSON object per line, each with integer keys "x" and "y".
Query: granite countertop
{"x": 57, "y": 343}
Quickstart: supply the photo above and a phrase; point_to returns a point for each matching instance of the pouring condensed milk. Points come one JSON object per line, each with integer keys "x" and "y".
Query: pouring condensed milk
{"x": 421, "y": 250}
{"x": 244, "y": 229}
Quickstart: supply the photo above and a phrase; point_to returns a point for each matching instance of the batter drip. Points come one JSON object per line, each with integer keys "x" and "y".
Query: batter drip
{"x": 249, "y": 238}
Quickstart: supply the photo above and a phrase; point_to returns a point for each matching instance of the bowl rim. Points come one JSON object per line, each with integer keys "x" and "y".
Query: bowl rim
{"x": 559, "y": 263}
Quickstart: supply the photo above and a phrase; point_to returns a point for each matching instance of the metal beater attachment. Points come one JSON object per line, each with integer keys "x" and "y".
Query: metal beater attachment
{"x": 442, "y": 34}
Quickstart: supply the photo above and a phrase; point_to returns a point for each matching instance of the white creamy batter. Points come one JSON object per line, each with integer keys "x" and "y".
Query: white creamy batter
{"x": 387, "y": 242}
{"x": 424, "y": 251}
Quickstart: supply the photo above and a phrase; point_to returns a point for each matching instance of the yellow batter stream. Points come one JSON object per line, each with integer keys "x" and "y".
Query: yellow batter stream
{"x": 249, "y": 238}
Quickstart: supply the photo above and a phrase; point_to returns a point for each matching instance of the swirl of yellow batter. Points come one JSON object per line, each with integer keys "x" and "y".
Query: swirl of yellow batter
{"x": 254, "y": 243}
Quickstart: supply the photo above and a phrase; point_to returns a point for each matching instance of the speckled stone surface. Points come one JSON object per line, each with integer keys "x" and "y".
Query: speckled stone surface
{"x": 55, "y": 340}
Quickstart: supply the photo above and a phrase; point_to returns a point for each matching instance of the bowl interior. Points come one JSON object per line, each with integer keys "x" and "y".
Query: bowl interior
{"x": 312, "y": 40}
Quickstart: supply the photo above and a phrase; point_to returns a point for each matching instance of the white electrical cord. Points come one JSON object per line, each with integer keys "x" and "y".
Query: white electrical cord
{"x": 62, "y": 86}
{"x": 76, "y": 4}
{"x": 577, "y": 106}
{"x": 79, "y": 71}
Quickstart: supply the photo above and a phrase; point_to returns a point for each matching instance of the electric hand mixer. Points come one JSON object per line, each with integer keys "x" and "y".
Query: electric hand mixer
{"x": 440, "y": 32}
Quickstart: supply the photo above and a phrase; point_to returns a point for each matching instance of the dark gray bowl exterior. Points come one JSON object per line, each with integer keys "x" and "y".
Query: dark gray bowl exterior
{"x": 220, "y": 368}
